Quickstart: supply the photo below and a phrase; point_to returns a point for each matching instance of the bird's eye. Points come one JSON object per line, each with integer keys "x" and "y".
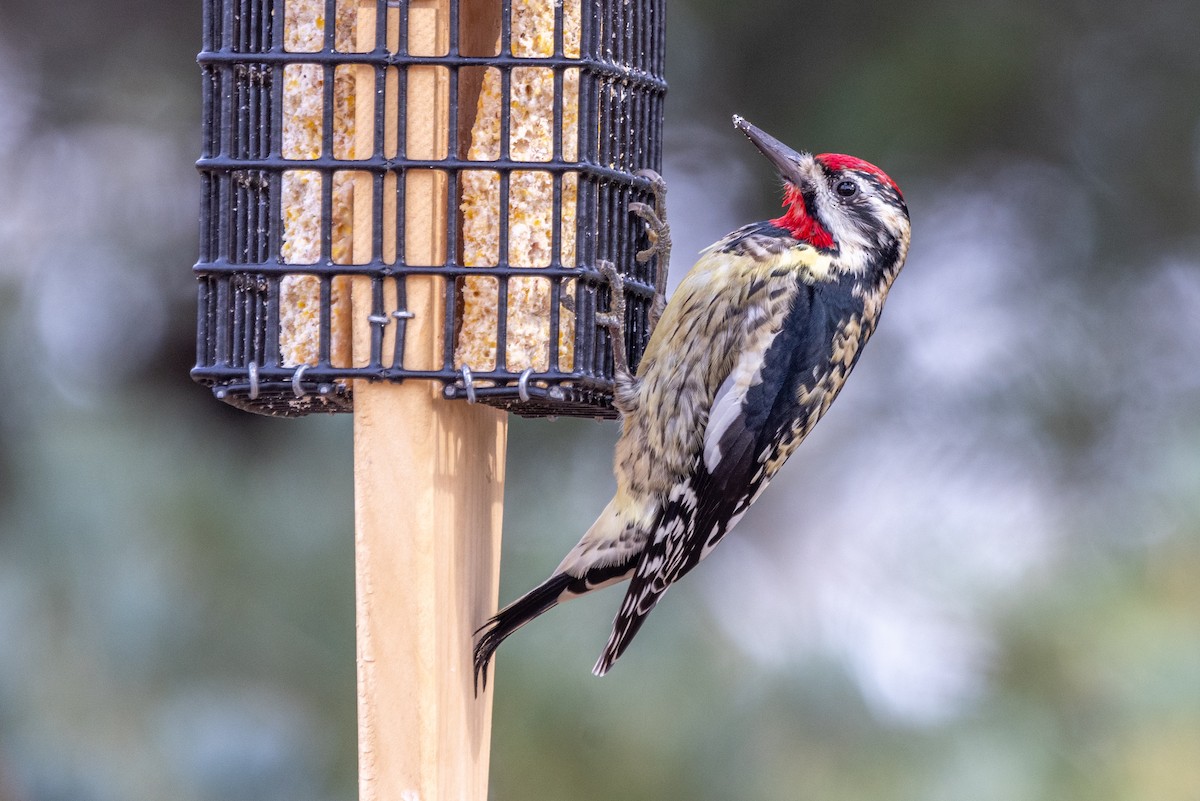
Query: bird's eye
{"x": 846, "y": 188}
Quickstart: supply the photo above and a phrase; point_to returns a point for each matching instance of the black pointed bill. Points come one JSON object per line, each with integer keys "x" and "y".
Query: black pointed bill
{"x": 793, "y": 166}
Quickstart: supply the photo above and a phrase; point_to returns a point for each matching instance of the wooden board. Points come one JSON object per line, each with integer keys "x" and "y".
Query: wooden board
{"x": 429, "y": 479}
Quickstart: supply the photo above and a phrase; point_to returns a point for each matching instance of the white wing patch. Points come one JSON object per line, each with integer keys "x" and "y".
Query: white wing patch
{"x": 727, "y": 405}
{"x": 725, "y": 409}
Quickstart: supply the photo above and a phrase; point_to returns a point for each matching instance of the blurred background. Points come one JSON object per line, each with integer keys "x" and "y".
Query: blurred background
{"x": 979, "y": 578}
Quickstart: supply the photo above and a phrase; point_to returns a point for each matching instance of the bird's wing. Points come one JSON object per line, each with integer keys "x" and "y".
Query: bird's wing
{"x": 754, "y": 403}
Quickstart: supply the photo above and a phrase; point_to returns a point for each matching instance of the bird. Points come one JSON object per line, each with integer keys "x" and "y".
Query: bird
{"x": 754, "y": 345}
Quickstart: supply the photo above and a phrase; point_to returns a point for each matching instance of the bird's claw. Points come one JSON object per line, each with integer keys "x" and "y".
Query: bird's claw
{"x": 659, "y": 234}
{"x": 614, "y": 318}
{"x": 654, "y": 225}
{"x": 657, "y": 185}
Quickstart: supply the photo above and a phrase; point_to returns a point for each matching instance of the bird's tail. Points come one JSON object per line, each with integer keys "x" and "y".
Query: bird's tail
{"x": 540, "y": 599}
{"x": 607, "y": 554}
{"x": 664, "y": 561}
{"x": 640, "y": 600}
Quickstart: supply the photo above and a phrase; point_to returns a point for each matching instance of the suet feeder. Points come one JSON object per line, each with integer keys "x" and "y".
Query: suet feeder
{"x": 405, "y": 208}
{"x": 526, "y": 120}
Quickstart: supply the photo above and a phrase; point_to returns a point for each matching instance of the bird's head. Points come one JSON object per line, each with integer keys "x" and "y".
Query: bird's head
{"x": 841, "y": 205}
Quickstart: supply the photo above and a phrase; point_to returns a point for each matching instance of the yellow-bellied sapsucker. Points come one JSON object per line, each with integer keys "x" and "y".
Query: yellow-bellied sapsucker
{"x": 752, "y": 349}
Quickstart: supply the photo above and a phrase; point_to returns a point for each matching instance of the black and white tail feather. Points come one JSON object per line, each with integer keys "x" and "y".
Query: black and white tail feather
{"x": 691, "y": 508}
{"x": 496, "y": 630}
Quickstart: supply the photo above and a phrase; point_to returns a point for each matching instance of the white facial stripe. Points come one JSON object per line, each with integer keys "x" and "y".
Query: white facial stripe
{"x": 855, "y": 243}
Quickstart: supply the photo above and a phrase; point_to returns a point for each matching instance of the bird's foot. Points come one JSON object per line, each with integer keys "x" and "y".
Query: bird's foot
{"x": 659, "y": 234}
{"x": 614, "y": 318}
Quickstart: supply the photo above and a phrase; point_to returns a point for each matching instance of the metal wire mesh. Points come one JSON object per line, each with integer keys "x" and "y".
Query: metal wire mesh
{"x": 260, "y": 271}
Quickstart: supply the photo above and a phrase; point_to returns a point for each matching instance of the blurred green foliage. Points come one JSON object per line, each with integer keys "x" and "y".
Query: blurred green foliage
{"x": 1016, "y": 464}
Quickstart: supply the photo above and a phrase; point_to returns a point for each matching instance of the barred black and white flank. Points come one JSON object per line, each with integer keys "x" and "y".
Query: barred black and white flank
{"x": 752, "y": 349}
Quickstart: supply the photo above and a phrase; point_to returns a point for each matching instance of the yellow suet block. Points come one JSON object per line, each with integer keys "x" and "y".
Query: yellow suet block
{"x": 530, "y": 201}
{"x": 303, "y": 106}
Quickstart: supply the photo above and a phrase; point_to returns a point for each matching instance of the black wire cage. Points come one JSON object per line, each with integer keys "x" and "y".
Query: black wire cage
{"x": 317, "y": 139}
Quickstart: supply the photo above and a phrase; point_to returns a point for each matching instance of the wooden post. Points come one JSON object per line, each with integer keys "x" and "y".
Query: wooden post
{"x": 428, "y": 479}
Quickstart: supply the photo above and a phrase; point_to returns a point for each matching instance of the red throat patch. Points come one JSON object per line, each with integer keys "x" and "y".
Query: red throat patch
{"x": 797, "y": 221}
